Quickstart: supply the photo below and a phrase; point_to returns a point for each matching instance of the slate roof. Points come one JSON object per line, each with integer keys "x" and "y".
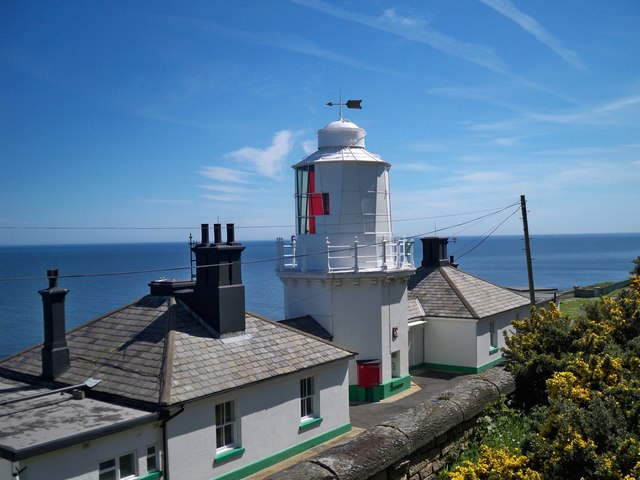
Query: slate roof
{"x": 414, "y": 309}
{"x": 309, "y": 325}
{"x": 159, "y": 352}
{"x": 449, "y": 292}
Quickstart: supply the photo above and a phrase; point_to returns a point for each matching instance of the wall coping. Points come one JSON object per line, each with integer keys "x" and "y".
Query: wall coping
{"x": 391, "y": 442}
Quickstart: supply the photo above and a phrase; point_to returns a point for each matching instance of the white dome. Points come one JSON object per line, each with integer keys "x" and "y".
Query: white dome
{"x": 341, "y": 133}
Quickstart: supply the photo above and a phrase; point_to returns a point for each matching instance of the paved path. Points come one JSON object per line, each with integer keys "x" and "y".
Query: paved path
{"x": 425, "y": 384}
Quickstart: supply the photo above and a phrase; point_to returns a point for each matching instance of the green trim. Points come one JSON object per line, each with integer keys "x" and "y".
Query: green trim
{"x": 150, "y": 476}
{"x": 278, "y": 457}
{"x": 492, "y": 363}
{"x": 379, "y": 392}
{"x": 459, "y": 368}
{"x": 228, "y": 454}
{"x": 493, "y": 350}
{"x": 308, "y": 423}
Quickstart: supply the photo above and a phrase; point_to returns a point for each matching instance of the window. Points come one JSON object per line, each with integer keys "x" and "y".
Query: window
{"x": 309, "y": 203}
{"x": 225, "y": 426}
{"x": 493, "y": 337}
{"x": 152, "y": 459}
{"x": 307, "y": 398}
{"x": 119, "y": 468}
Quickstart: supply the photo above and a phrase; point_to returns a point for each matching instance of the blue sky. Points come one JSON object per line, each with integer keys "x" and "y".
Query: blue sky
{"x": 171, "y": 114}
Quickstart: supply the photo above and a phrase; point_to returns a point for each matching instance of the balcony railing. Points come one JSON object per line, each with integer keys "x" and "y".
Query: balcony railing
{"x": 357, "y": 257}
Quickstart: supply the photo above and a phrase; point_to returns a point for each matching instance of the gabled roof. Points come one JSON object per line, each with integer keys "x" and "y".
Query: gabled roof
{"x": 449, "y": 292}
{"x": 159, "y": 352}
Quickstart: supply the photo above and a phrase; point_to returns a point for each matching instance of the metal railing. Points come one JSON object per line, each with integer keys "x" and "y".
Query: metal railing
{"x": 356, "y": 257}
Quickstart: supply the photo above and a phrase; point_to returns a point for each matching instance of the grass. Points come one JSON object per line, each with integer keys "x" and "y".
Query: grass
{"x": 574, "y": 307}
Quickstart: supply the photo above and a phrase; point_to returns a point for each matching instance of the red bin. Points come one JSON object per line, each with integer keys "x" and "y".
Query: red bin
{"x": 368, "y": 373}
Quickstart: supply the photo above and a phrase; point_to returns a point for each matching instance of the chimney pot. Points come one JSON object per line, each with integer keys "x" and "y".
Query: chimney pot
{"x": 52, "y": 274}
{"x": 231, "y": 236}
{"x": 217, "y": 233}
{"x": 204, "y": 233}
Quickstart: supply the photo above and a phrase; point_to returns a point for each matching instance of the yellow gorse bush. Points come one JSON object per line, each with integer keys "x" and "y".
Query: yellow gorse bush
{"x": 495, "y": 464}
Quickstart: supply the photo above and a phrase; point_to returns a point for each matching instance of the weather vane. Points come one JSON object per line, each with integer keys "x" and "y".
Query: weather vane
{"x": 348, "y": 104}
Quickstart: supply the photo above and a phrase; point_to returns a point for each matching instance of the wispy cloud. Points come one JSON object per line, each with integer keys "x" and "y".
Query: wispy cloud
{"x": 489, "y": 97}
{"x": 226, "y": 197}
{"x": 267, "y": 161}
{"x": 225, "y": 174}
{"x": 280, "y": 40}
{"x": 596, "y": 114}
{"x": 416, "y": 167}
{"x": 250, "y": 168}
{"x": 529, "y": 24}
{"x": 227, "y": 188}
{"x": 416, "y": 31}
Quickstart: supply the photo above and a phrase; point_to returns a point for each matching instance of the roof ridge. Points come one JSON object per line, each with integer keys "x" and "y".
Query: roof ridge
{"x": 166, "y": 368}
{"x": 457, "y": 291}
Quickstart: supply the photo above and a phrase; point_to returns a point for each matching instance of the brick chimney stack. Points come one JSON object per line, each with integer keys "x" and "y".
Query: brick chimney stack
{"x": 218, "y": 295}
{"x": 55, "y": 353}
{"x": 434, "y": 251}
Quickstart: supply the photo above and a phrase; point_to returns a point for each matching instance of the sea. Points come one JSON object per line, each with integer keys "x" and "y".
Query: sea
{"x": 104, "y": 277}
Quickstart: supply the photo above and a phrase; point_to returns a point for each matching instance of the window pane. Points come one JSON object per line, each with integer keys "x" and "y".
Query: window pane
{"x": 228, "y": 434}
{"x": 111, "y": 475}
{"x": 108, "y": 464}
{"x": 127, "y": 465}
{"x": 152, "y": 463}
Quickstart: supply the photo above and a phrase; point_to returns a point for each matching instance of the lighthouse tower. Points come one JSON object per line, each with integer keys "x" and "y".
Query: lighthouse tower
{"x": 343, "y": 267}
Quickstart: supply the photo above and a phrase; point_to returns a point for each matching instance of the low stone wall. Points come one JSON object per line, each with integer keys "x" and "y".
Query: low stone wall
{"x": 413, "y": 445}
{"x": 592, "y": 292}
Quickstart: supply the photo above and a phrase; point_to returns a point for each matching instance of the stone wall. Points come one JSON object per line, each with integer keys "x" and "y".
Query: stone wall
{"x": 592, "y": 292}
{"x": 413, "y": 445}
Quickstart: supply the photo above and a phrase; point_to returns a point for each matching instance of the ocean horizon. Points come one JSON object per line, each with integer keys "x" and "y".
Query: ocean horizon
{"x": 559, "y": 261}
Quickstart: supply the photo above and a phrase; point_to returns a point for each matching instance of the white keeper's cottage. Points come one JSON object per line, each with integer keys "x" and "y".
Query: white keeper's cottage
{"x": 344, "y": 267}
{"x": 182, "y": 383}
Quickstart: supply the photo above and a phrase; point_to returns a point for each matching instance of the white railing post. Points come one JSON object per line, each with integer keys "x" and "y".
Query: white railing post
{"x": 327, "y": 243}
{"x": 411, "y": 264}
{"x": 384, "y": 254}
{"x": 356, "y": 266}
{"x": 294, "y": 259}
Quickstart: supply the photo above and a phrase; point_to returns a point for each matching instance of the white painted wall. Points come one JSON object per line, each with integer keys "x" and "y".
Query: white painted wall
{"x": 359, "y": 310}
{"x": 80, "y": 462}
{"x": 450, "y": 341}
{"x": 5, "y": 470}
{"x": 269, "y": 414}
{"x": 503, "y": 323}
{"x": 416, "y": 345}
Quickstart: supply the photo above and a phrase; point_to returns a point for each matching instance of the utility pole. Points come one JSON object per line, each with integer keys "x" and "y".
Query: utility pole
{"x": 527, "y": 247}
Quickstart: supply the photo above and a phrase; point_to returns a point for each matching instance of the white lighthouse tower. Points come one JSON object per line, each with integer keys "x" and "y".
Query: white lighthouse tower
{"x": 344, "y": 267}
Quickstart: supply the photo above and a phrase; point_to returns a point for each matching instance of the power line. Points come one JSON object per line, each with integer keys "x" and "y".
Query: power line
{"x": 489, "y": 234}
{"x": 57, "y": 227}
{"x": 248, "y": 262}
